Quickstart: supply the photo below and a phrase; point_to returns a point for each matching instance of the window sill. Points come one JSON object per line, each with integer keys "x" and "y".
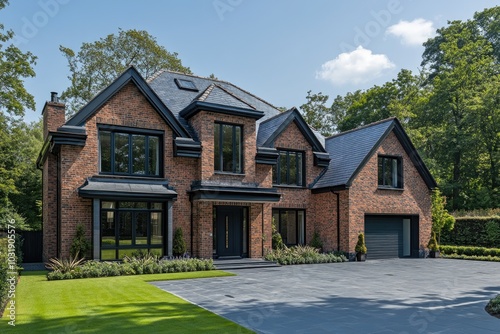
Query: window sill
{"x": 229, "y": 173}
{"x": 390, "y": 188}
{"x": 130, "y": 176}
{"x": 288, "y": 186}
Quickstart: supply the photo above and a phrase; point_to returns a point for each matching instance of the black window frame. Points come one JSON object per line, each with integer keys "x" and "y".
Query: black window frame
{"x": 130, "y": 132}
{"x": 220, "y": 154}
{"x": 149, "y": 246}
{"x": 279, "y": 227}
{"x": 301, "y": 182}
{"x": 382, "y": 182}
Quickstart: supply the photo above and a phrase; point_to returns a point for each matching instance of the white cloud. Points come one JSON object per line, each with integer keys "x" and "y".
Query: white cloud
{"x": 355, "y": 67}
{"x": 412, "y": 33}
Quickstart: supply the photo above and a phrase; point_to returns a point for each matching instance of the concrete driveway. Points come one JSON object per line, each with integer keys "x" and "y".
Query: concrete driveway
{"x": 378, "y": 296}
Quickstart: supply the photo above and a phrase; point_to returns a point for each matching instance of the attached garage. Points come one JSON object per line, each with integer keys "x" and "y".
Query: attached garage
{"x": 391, "y": 236}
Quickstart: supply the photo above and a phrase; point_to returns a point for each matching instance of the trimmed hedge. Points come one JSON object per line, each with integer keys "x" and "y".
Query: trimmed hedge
{"x": 469, "y": 251}
{"x": 132, "y": 266}
{"x": 473, "y": 231}
{"x": 475, "y": 258}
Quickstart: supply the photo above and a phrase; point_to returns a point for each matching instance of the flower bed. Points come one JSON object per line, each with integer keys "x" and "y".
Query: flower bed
{"x": 303, "y": 255}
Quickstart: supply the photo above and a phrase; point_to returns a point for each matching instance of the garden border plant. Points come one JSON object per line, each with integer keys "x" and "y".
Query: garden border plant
{"x": 303, "y": 255}
{"x": 149, "y": 264}
{"x": 493, "y": 307}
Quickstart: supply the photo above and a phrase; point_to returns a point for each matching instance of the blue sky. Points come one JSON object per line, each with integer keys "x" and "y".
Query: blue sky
{"x": 276, "y": 49}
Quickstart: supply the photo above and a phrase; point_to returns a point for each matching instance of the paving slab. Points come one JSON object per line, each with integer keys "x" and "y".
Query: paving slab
{"x": 378, "y": 296}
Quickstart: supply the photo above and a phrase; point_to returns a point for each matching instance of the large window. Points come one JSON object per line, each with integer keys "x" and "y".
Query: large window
{"x": 291, "y": 225}
{"x": 290, "y": 169}
{"x": 228, "y": 150}
{"x": 390, "y": 174}
{"x": 129, "y": 153}
{"x": 128, "y": 227}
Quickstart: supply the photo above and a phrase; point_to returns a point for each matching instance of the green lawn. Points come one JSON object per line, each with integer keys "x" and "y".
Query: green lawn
{"x": 125, "y": 304}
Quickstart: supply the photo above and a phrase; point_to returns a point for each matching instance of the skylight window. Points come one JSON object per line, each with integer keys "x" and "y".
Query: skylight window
{"x": 186, "y": 84}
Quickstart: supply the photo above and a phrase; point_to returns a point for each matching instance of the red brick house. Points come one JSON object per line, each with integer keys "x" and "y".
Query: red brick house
{"x": 179, "y": 151}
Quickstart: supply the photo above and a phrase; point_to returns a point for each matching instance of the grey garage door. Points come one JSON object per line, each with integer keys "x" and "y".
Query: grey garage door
{"x": 384, "y": 236}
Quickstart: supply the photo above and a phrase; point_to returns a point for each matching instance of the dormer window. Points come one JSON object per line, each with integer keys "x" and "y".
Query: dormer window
{"x": 186, "y": 84}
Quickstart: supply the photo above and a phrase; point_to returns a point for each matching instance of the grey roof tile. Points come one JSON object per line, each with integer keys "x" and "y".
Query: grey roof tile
{"x": 349, "y": 150}
{"x": 269, "y": 126}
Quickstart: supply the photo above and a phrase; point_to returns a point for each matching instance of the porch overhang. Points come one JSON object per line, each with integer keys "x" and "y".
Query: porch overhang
{"x": 234, "y": 194}
{"x": 126, "y": 189}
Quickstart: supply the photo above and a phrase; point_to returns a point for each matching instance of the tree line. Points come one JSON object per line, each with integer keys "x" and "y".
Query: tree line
{"x": 450, "y": 109}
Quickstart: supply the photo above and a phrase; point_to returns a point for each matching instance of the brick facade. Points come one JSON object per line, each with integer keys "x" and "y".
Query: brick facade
{"x": 130, "y": 108}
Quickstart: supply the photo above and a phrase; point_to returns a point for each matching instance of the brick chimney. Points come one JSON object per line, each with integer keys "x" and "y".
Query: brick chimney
{"x": 54, "y": 114}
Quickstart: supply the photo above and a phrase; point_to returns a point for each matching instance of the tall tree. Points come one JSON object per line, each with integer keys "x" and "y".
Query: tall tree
{"x": 97, "y": 64}
{"x": 15, "y": 66}
{"x": 460, "y": 61}
{"x": 317, "y": 114}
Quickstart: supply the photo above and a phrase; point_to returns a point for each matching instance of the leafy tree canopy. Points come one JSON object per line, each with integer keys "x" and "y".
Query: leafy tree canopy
{"x": 97, "y": 64}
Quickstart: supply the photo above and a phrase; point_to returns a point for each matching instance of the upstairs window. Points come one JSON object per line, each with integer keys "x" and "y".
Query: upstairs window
{"x": 390, "y": 173}
{"x": 124, "y": 153}
{"x": 228, "y": 150}
{"x": 290, "y": 169}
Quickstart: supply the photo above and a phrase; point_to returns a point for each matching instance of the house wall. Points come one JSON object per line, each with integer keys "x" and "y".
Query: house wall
{"x": 53, "y": 117}
{"x": 295, "y": 197}
{"x": 325, "y": 215}
{"x": 78, "y": 163}
{"x": 366, "y": 198}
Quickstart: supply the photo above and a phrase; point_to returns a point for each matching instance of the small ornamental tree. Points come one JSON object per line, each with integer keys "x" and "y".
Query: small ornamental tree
{"x": 441, "y": 219}
{"x": 433, "y": 244}
{"x": 277, "y": 240}
{"x": 179, "y": 246}
{"x": 80, "y": 245}
{"x": 360, "y": 246}
{"x": 316, "y": 241}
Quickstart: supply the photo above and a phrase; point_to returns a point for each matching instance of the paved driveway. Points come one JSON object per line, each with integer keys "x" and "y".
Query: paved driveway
{"x": 378, "y": 296}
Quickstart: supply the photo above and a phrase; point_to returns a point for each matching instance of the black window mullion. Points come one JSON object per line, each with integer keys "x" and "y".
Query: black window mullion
{"x": 221, "y": 150}
{"x": 233, "y": 142}
{"x": 130, "y": 157}
{"x": 288, "y": 167}
{"x": 146, "y": 156}
{"x": 112, "y": 152}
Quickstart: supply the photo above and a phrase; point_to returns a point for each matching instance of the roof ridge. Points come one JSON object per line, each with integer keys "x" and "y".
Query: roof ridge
{"x": 236, "y": 97}
{"x": 155, "y": 75}
{"x": 203, "y": 95}
{"x": 226, "y": 82}
{"x": 276, "y": 116}
{"x": 361, "y": 127}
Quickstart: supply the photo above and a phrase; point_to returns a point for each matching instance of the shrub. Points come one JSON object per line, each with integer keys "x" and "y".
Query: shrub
{"x": 80, "y": 246}
{"x": 470, "y": 251}
{"x": 474, "y": 231}
{"x": 132, "y": 266}
{"x": 473, "y": 257}
{"x": 316, "y": 241}
{"x": 302, "y": 255}
{"x": 360, "y": 246}
{"x": 433, "y": 245}
{"x": 493, "y": 306}
{"x": 277, "y": 241}
{"x": 63, "y": 265}
{"x": 179, "y": 245}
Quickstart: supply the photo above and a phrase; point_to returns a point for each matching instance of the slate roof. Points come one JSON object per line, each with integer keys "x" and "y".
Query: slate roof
{"x": 223, "y": 92}
{"x": 269, "y": 126}
{"x": 349, "y": 150}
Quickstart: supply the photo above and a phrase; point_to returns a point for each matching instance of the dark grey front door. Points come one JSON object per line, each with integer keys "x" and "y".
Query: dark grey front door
{"x": 229, "y": 231}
